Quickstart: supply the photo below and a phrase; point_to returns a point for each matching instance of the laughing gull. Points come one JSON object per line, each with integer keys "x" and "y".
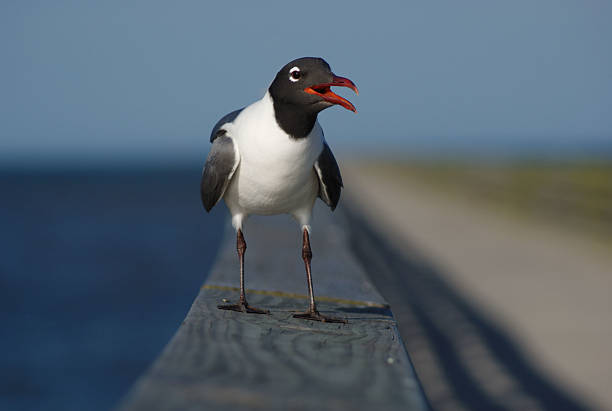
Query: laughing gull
{"x": 271, "y": 158}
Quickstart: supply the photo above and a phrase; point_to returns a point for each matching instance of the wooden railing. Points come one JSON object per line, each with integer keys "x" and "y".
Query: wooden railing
{"x": 232, "y": 361}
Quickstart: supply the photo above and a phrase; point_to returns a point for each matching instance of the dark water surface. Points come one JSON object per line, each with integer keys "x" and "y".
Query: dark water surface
{"x": 97, "y": 269}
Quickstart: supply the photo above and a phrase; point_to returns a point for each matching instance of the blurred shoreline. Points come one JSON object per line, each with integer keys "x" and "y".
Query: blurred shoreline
{"x": 543, "y": 285}
{"x": 573, "y": 195}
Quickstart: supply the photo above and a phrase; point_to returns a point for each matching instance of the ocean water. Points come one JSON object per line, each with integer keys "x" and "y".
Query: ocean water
{"x": 97, "y": 270}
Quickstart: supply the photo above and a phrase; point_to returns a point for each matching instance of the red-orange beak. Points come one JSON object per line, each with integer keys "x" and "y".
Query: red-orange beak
{"x": 323, "y": 90}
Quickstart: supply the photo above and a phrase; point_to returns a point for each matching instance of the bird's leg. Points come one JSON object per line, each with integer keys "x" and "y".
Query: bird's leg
{"x": 243, "y": 306}
{"x": 312, "y": 313}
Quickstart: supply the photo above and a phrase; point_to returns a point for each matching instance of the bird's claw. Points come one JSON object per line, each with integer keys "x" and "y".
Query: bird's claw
{"x": 314, "y": 315}
{"x": 243, "y": 308}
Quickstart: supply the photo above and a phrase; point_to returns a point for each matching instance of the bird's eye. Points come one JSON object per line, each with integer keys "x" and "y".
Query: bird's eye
{"x": 295, "y": 74}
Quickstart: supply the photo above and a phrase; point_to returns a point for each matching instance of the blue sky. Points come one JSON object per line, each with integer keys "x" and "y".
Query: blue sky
{"x": 85, "y": 81}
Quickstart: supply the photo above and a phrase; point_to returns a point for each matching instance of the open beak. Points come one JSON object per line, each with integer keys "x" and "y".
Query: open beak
{"x": 323, "y": 90}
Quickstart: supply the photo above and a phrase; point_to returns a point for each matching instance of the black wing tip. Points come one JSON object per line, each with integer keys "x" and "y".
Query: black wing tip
{"x": 331, "y": 202}
{"x": 208, "y": 207}
{"x": 207, "y": 203}
{"x": 209, "y": 192}
{"x": 332, "y": 206}
{"x": 208, "y": 200}
{"x": 335, "y": 203}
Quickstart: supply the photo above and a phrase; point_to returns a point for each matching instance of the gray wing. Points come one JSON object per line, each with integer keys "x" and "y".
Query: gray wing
{"x": 330, "y": 180}
{"x": 219, "y": 169}
{"x": 228, "y": 118}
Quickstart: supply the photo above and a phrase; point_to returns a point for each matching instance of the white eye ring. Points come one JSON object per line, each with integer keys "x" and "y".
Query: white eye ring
{"x": 294, "y": 77}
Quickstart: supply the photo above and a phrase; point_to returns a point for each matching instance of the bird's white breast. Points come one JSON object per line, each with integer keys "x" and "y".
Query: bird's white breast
{"x": 276, "y": 173}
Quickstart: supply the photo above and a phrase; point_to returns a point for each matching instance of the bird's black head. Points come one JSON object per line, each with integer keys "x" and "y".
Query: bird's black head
{"x": 301, "y": 89}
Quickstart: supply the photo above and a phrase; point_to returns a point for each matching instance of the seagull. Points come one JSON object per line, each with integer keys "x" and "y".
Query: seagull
{"x": 271, "y": 158}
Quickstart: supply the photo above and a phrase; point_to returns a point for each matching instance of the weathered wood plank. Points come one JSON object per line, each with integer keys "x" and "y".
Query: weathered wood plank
{"x": 226, "y": 360}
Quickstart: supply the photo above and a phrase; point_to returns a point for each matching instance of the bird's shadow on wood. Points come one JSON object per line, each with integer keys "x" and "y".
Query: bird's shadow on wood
{"x": 431, "y": 312}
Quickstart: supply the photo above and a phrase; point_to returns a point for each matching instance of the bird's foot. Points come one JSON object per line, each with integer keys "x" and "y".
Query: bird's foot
{"x": 314, "y": 315}
{"x": 243, "y": 308}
